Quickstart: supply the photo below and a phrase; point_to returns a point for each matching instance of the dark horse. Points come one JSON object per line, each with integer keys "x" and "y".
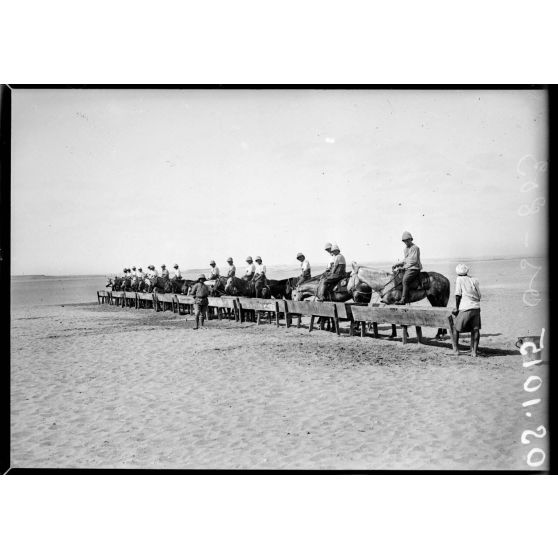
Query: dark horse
{"x": 217, "y": 286}
{"x": 430, "y": 284}
{"x": 158, "y": 284}
{"x": 115, "y": 283}
{"x": 236, "y": 286}
{"x": 187, "y": 285}
{"x": 282, "y": 288}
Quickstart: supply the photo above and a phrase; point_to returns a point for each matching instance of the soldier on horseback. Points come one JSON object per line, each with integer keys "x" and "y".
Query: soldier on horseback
{"x": 164, "y": 272}
{"x": 214, "y": 271}
{"x": 332, "y": 277}
{"x": 231, "y": 272}
{"x": 305, "y": 271}
{"x": 327, "y": 248}
{"x": 411, "y": 266}
{"x": 177, "y": 273}
{"x": 250, "y": 270}
{"x": 259, "y": 278}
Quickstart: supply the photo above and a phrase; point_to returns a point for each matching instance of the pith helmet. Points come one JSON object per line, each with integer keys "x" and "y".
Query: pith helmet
{"x": 327, "y": 246}
{"x": 461, "y": 269}
{"x": 163, "y": 266}
{"x": 258, "y": 258}
{"x": 300, "y": 255}
{"x": 125, "y": 270}
{"x": 212, "y": 262}
{"x": 229, "y": 260}
{"x": 175, "y": 266}
{"x": 140, "y": 269}
{"x": 134, "y": 267}
{"x": 201, "y": 276}
{"x": 334, "y": 247}
{"x": 249, "y": 259}
{"x": 407, "y": 236}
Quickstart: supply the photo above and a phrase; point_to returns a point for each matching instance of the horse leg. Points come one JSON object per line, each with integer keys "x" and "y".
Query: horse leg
{"x": 436, "y": 303}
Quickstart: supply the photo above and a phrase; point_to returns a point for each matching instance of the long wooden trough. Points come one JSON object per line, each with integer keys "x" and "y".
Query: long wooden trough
{"x": 240, "y": 309}
{"x": 259, "y": 305}
{"x": 405, "y": 316}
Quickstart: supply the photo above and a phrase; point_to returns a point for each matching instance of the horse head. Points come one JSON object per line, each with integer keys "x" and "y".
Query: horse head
{"x": 230, "y": 287}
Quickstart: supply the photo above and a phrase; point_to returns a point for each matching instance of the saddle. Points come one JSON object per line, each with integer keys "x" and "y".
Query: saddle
{"x": 420, "y": 283}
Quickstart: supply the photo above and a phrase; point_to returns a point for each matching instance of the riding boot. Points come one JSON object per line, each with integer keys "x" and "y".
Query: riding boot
{"x": 202, "y": 319}
{"x": 197, "y": 323}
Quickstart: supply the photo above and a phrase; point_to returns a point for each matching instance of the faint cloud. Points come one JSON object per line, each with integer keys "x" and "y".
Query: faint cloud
{"x": 330, "y": 140}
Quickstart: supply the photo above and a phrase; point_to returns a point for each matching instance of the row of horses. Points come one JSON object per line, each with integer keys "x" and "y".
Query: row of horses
{"x": 358, "y": 285}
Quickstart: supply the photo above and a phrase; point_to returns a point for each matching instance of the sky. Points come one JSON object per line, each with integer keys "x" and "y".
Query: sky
{"x": 103, "y": 179}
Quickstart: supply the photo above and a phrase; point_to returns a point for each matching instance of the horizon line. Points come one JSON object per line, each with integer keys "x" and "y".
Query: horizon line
{"x": 481, "y": 259}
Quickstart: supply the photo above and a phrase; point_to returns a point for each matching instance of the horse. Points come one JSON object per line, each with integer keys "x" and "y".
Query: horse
{"x": 158, "y": 284}
{"x": 126, "y": 284}
{"x": 217, "y": 287}
{"x": 114, "y": 284}
{"x": 430, "y": 284}
{"x": 236, "y": 286}
{"x": 187, "y": 285}
{"x": 177, "y": 285}
{"x": 309, "y": 288}
{"x": 282, "y": 288}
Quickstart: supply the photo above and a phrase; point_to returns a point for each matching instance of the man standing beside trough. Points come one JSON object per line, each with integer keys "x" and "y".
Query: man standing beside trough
{"x": 332, "y": 277}
{"x": 411, "y": 266}
{"x": 200, "y": 292}
{"x": 467, "y": 307}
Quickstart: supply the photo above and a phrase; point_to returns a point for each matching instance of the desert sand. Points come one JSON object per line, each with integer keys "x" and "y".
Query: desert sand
{"x": 105, "y": 387}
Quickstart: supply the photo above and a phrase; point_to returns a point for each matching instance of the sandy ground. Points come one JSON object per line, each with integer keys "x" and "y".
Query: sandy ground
{"x": 104, "y": 387}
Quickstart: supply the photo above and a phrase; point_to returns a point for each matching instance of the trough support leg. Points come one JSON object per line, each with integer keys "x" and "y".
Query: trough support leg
{"x": 277, "y": 314}
{"x": 404, "y": 334}
{"x": 311, "y": 324}
{"x": 336, "y": 321}
{"x": 452, "y": 334}
{"x": 299, "y": 320}
{"x": 419, "y": 334}
{"x": 375, "y": 328}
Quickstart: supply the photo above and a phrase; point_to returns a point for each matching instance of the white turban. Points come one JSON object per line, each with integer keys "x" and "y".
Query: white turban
{"x": 461, "y": 269}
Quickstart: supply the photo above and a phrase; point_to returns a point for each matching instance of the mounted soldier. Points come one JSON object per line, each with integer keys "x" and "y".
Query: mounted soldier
{"x": 231, "y": 272}
{"x": 305, "y": 271}
{"x": 250, "y": 270}
{"x": 259, "y": 278}
{"x": 327, "y": 248}
{"x": 410, "y": 266}
{"x": 177, "y": 274}
{"x": 332, "y": 277}
{"x": 214, "y": 271}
